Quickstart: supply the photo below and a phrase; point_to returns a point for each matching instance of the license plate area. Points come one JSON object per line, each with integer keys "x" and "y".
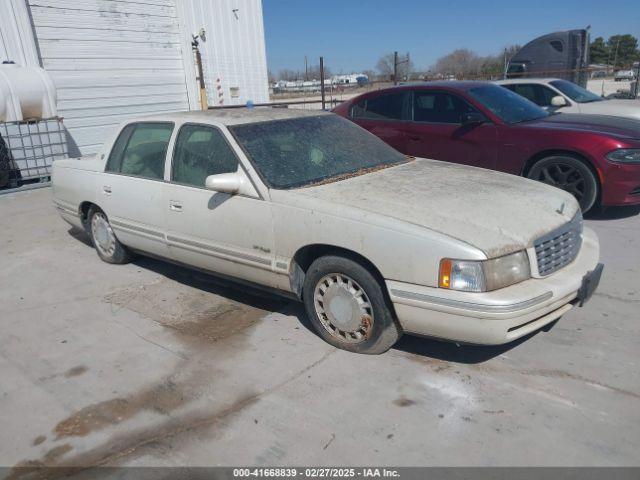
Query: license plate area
{"x": 589, "y": 284}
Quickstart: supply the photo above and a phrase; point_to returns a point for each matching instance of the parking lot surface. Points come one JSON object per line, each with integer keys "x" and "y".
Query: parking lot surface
{"x": 153, "y": 364}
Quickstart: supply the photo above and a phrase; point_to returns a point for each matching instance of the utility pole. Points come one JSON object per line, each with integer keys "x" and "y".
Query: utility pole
{"x": 201, "y": 84}
{"x": 636, "y": 91}
{"x": 395, "y": 68}
{"x": 615, "y": 57}
{"x": 397, "y": 62}
{"x": 306, "y": 69}
{"x": 504, "y": 70}
{"x": 322, "y": 81}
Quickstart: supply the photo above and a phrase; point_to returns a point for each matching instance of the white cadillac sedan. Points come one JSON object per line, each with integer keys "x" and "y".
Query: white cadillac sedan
{"x": 310, "y": 205}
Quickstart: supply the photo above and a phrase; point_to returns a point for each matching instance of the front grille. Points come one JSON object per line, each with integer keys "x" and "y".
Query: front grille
{"x": 559, "y": 247}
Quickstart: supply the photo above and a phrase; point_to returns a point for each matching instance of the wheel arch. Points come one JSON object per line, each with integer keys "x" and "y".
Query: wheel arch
{"x": 306, "y": 255}
{"x": 555, "y": 152}
{"x": 578, "y": 156}
{"x": 83, "y": 211}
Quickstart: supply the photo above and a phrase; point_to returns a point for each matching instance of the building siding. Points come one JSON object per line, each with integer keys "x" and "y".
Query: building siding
{"x": 16, "y": 38}
{"x": 233, "y": 52}
{"x": 110, "y": 60}
{"x": 114, "y": 59}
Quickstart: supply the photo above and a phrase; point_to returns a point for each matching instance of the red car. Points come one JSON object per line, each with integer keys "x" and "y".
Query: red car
{"x": 596, "y": 158}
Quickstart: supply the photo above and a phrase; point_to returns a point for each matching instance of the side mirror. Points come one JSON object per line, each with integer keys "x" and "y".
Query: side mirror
{"x": 473, "y": 118}
{"x": 231, "y": 183}
{"x": 558, "y": 101}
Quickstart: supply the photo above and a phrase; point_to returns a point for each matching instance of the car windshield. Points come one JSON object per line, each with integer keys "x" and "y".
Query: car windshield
{"x": 302, "y": 151}
{"x": 507, "y": 105}
{"x": 575, "y": 92}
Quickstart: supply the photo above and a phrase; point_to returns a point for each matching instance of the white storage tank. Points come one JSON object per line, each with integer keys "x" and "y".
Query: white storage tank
{"x": 26, "y": 93}
{"x": 32, "y": 136}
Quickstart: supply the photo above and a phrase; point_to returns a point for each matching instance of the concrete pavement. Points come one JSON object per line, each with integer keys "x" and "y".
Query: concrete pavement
{"x": 152, "y": 364}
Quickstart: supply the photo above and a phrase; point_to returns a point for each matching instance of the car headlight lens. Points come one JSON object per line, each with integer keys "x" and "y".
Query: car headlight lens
{"x": 485, "y": 275}
{"x": 625, "y": 155}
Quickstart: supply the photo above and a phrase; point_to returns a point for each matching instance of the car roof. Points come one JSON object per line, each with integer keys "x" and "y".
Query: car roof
{"x": 449, "y": 84}
{"x": 231, "y": 116}
{"x": 526, "y": 80}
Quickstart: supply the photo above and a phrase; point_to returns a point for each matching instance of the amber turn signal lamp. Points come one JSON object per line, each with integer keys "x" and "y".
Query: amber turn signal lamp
{"x": 444, "y": 279}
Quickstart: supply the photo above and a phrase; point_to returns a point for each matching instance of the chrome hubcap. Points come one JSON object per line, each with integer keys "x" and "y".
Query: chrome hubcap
{"x": 103, "y": 236}
{"x": 343, "y": 308}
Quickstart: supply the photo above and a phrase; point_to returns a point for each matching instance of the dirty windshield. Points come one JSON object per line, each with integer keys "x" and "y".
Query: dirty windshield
{"x": 302, "y": 151}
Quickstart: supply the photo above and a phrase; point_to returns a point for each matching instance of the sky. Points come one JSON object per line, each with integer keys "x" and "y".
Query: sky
{"x": 353, "y": 34}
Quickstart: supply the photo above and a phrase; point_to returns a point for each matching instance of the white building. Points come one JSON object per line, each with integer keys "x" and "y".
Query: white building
{"x": 113, "y": 59}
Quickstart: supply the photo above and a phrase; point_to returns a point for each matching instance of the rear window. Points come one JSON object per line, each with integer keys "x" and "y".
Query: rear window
{"x": 389, "y": 106}
{"x": 141, "y": 150}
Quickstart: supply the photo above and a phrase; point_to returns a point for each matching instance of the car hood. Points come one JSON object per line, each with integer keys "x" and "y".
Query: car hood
{"x": 627, "y": 128}
{"x": 492, "y": 211}
{"x": 618, "y": 108}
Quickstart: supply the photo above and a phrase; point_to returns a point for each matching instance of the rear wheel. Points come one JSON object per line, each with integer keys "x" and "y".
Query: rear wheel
{"x": 569, "y": 174}
{"x": 347, "y": 306}
{"x": 104, "y": 240}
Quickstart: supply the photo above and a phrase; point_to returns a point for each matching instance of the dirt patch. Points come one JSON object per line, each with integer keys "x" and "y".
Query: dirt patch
{"x": 125, "y": 444}
{"x": 75, "y": 371}
{"x": 404, "y": 402}
{"x": 192, "y": 312}
{"x": 33, "y": 468}
{"x": 38, "y": 440}
{"x": 162, "y": 398}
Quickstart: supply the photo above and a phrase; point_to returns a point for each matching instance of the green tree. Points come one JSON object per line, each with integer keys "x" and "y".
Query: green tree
{"x": 623, "y": 49}
{"x": 599, "y": 51}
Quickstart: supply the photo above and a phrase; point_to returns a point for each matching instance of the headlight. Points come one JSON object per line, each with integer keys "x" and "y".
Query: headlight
{"x": 625, "y": 155}
{"x": 485, "y": 275}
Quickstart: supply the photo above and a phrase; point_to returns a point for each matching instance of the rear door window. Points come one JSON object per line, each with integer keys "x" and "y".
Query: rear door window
{"x": 389, "y": 106}
{"x": 438, "y": 107}
{"x": 140, "y": 150}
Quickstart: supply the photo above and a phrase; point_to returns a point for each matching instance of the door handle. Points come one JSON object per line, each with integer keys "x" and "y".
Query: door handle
{"x": 175, "y": 206}
{"x": 106, "y": 190}
{"x": 415, "y": 137}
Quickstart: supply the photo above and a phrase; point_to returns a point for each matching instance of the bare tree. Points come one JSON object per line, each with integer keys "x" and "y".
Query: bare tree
{"x": 314, "y": 72}
{"x": 460, "y": 62}
{"x": 288, "y": 75}
{"x": 371, "y": 75}
{"x": 465, "y": 63}
{"x": 385, "y": 66}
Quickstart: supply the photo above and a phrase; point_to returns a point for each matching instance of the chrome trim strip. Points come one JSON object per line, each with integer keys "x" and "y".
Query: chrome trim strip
{"x": 135, "y": 228}
{"x": 476, "y": 307}
{"x": 184, "y": 243}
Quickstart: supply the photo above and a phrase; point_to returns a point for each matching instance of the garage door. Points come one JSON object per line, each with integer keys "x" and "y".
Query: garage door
{"x": 110, "y": 59}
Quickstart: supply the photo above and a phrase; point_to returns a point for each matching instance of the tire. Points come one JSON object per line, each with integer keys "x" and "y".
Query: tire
{"x": 569, "y": 174}
{"x": 348, "y": 307}
{"x": 107, "y": 246}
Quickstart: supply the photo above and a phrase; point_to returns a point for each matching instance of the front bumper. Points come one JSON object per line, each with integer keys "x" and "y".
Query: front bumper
{"x": 497, "y": 317}
{"x": 621, "y": 185}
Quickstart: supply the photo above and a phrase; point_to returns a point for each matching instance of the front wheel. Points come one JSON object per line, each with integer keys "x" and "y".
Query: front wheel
{"x": 347, "y": 306}
{"x": 569, "y": 174}
{"x": 104, "y": 240}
